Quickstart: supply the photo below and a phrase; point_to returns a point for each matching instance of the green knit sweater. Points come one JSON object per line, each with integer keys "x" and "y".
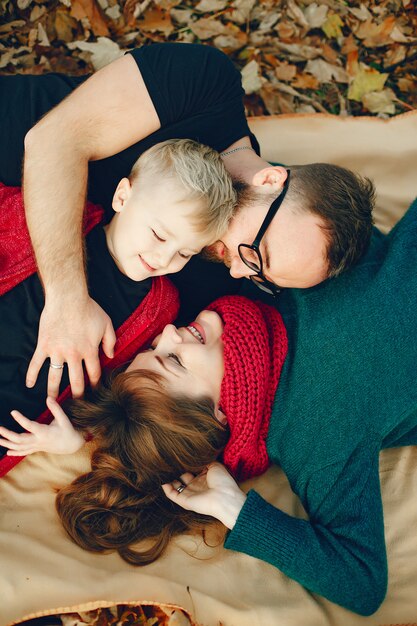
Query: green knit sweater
{"x": 348, "y": 390}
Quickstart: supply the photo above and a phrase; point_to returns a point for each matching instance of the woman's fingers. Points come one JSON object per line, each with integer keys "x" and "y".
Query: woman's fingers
{"x": 187, "y": 478}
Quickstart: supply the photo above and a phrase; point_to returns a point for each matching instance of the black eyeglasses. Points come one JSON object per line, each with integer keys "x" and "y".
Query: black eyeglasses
{"x": 251, "y": 255}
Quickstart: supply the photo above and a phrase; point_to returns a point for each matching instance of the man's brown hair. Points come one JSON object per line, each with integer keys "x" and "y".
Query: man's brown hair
{"x": 344, "y": 201}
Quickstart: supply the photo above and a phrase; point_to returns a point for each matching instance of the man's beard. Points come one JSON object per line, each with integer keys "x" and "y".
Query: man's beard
{"x": 211, "y": 253}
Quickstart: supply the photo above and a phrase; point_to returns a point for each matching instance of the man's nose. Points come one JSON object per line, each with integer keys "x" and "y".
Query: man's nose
{"x": 238, "y": 269}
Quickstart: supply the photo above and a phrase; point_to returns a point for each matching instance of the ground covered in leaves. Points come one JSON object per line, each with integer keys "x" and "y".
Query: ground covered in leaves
{"x": 302, "y": 56}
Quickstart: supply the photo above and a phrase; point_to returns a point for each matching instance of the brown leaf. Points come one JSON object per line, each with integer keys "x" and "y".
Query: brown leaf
{"x": 90, "y": 10}
{"x": 64, "y": 25}
{"x": 296, "y": 14}
{"x": 285, "y": 30}
{"x": 326, "y": 72}
{"x": 316, "y": 15}
{"x": 211, "y": 6}
{"x": 129, "y": 11}
{"x": 349, "y": 45}
{"x": 208, "y": 27}
{"x": 305, "y": 81}
{"x": 329, "y": 53}
{"x": 36, "y": 13}
{"x": 395, "y": 55}
{"x": 285, "y": 71}
{"x": 242, "y": 10}
{"x": 234, "y": 40}
{"x": 352, "y": 65}
{"x": 275, "y": 101}
{"x": 406, "y": 84}
{"x": 375, "y": 35}
{"x": 156, "y": 20}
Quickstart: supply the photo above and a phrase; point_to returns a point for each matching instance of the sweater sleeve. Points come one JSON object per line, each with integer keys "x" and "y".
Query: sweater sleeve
{"x": 339, "y": 552}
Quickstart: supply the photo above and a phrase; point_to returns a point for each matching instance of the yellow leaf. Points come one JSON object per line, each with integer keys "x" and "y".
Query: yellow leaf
{"x": 366, "y": 80}
{"x": 380, "y": 101}
{"x": 332, "y": 27}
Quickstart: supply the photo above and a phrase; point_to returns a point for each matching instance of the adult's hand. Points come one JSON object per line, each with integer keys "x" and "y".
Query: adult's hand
{"x": 213, "y": 492}
{"x": 58, "y": 437}
{"x": 71, "y": 332}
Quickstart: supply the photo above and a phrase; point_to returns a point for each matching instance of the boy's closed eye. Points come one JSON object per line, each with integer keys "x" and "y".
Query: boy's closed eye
{"x": 157, "y": 236}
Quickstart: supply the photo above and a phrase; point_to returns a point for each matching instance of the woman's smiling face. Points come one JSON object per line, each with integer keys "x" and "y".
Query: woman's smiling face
{"x": 190, "y": 359}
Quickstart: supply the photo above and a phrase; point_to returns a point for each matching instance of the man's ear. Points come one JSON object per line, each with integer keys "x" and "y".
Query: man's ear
{"x": 270, "y": 179}
{"x": 121, "y": 195}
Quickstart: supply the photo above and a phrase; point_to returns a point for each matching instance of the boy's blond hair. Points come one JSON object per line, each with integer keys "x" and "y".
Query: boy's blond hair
{"x": 200, "y": 172}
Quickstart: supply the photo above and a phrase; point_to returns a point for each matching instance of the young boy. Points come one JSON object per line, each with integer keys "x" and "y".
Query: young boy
{"x": 177, "y": 199}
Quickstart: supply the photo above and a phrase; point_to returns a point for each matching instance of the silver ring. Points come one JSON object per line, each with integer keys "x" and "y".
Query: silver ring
{"x": 181, "y": 488}
{"x": 56, "y": 366}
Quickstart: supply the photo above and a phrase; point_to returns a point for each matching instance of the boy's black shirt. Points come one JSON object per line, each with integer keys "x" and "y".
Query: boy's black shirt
{"x": 20, "y": 311}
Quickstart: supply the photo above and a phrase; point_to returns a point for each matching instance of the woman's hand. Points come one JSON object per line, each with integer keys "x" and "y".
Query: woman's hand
{"x": 58, "y": 437}
{"x": 213, "y": 492}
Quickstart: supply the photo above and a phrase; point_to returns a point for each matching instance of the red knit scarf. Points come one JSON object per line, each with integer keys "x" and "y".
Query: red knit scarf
{"x": 255, "y": 347}
{"x": 17, "y": 262}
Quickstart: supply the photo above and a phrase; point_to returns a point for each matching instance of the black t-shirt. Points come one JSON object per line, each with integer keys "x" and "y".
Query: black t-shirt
{"x": 197, "y": 94}
{"x": 20, "y": 310}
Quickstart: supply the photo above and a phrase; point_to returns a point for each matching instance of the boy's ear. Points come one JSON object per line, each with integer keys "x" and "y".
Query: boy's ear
{"x": 121, "y": 195}
{"x": 270, "y": 179}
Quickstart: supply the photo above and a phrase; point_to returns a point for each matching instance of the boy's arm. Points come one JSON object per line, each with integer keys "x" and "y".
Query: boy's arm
{"x": 109, "y": 112}
{"x": 58, "y": 437}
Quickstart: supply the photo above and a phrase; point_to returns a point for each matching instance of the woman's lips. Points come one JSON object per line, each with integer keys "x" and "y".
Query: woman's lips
{"x": 146, "y": 265}
{"x": 200, "y": 335}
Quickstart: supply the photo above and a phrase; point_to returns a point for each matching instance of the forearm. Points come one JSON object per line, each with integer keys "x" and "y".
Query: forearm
{"x": 55, "y": 180}
{"x": 347, "y": 565}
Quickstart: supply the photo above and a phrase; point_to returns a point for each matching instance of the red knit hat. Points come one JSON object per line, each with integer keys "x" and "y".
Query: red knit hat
{"x": 255, "y": 347}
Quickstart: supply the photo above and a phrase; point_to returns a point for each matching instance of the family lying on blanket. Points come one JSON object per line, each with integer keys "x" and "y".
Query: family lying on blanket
{"x": 319, "y": 388}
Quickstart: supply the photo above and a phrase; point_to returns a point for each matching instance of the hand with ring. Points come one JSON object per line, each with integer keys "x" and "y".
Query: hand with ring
{"x": 213, "y": 492}
{"x": 71, "y": 333}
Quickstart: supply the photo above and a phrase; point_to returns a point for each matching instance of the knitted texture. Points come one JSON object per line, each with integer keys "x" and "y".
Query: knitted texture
{"x": 17, "y": 260}
{"x": 255, "y": 347}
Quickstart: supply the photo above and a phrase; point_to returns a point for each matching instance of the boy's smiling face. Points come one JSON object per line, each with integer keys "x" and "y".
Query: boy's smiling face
{"x": 153, "y": 231}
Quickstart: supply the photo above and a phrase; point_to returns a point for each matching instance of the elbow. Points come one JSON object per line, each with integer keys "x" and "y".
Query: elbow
{"x": 34, "y": 139}
{"x": 30, "y": 139}
{"x": 369, "y": 598}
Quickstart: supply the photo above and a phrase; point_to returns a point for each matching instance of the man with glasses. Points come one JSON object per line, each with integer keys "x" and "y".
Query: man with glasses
{"x": 294, "y": 227}
{"x": 318, "y": 225}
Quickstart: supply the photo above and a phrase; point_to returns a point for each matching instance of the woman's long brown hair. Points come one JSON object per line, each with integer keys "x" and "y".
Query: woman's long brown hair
{"x": 144, "y": 437}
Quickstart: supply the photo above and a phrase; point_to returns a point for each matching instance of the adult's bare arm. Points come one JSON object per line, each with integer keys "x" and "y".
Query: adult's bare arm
{"x": 109, "y": 112}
